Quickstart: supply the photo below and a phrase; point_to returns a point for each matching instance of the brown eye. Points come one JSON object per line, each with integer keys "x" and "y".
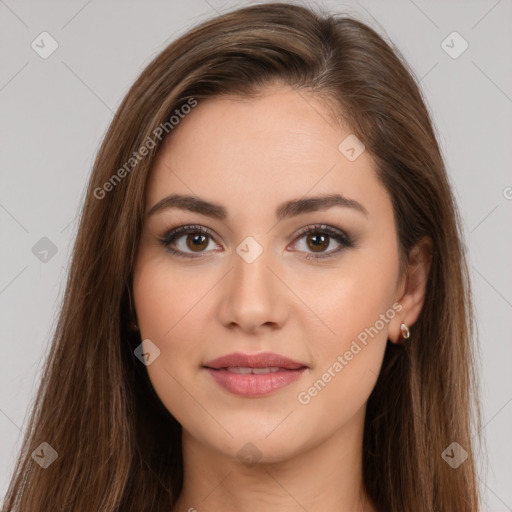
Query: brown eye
{"x": 188, "y": 241}
{"x": 196, "y": 242}
{"x": 318, "y": 243}
{"x": 322, "y": 241}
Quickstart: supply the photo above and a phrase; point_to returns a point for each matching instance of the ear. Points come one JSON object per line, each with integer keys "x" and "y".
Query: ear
{"x": 411, "y": 289}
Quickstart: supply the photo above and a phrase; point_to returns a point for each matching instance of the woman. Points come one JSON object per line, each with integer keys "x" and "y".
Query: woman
{"x": 268, "y": 306}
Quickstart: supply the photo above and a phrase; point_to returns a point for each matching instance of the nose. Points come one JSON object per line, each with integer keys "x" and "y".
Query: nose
{"x": 253, "y": 297}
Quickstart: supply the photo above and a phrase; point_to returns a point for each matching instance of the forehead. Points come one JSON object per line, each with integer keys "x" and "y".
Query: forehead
{"x": 252, "y": 151}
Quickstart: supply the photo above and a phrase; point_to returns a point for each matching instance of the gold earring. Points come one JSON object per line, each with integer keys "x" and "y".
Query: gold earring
{"x": 406, "y": 333}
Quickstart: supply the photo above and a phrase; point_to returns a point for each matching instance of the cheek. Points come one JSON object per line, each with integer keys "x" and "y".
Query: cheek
{"x": 350, "y": 300}
{"x": 171, "y": 313}
{"x": 348, "y": 365}
{"x": 356, "y": 309}
{"x": 167, "y": 299}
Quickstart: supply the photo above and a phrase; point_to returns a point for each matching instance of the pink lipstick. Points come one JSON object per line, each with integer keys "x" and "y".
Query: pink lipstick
{"x": 253, "y": 375}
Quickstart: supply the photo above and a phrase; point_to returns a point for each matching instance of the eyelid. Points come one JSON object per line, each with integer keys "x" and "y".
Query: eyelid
{"x": 322, "y": 228}
{"x": 341, "y": 236}
{"x": 173, "y": 233}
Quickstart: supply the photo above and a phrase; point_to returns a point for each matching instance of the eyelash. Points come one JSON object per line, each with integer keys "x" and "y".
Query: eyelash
{"x": 343, "y": 238}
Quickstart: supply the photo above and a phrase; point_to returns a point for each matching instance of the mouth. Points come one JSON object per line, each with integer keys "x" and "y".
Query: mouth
{"x": 246, "y": 370}
{"x": 253, "y": 375}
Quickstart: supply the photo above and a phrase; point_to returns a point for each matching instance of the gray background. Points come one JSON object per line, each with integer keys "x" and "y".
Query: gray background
{"x": 55, "y": 112}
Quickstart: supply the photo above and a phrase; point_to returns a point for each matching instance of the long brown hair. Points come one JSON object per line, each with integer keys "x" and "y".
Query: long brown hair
{"x": 118, "y": 447}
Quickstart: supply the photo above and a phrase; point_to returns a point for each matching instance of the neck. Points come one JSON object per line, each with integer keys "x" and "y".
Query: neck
{"x": 323, "y": 477}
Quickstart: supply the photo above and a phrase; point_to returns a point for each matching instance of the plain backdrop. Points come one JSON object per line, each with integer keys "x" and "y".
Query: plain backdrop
{"x": 55, "y": 110}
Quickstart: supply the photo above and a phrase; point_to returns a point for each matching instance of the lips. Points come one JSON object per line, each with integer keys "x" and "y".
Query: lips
{"x": 253, "y": 375}
{"x": 246, "y": 370}
{"x": 254, "y": 361}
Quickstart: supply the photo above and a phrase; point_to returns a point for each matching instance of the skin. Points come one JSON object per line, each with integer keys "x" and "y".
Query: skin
{"x": 251, "y": 155}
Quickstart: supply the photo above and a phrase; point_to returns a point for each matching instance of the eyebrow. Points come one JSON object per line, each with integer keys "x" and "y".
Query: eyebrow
{"x": 287, "y": 209}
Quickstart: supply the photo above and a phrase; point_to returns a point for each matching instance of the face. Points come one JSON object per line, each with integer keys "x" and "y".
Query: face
{"x": 266, "y": 269}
